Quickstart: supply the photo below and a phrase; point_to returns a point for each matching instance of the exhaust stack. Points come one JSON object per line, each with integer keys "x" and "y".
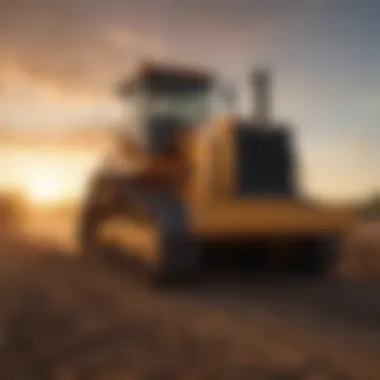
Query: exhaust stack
{"x": 262, "y": 96}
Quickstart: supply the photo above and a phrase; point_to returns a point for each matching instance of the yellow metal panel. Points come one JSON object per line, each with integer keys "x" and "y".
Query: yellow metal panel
{"x": 265, "y": 217}
{"x": 140, "y": 239}
{"x": 223, "y": 159}
{"x": 200, "y": 161}
{"x": 212, "y": 162}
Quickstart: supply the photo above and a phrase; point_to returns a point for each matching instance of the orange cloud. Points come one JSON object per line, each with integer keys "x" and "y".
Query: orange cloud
{"x": 60, "y": 62}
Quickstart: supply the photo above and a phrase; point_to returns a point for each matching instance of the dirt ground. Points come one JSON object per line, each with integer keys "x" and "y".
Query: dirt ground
{"x": 66, "y": 318}
{"x": 361, "y": 254}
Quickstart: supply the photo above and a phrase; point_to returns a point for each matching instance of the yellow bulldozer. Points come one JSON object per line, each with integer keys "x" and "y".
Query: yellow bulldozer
{"x": 184, "y": 190}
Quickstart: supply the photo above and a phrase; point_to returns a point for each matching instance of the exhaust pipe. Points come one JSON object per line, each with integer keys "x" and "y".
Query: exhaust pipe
{"x": 262, "y": 96}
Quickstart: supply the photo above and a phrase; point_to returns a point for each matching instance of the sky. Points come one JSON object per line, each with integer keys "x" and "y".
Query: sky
{"x": 60, "y": 62}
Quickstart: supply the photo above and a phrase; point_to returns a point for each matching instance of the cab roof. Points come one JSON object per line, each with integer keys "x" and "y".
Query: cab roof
{"x": 155, "y": 76}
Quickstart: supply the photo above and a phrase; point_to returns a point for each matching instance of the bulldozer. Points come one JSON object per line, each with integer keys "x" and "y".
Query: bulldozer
{"x": 183, "y": 187}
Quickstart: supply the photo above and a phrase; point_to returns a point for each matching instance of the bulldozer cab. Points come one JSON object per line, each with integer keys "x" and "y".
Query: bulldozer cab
{"x": 162, "y": 100}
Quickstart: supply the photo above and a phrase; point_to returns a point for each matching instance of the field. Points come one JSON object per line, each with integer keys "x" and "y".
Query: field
{"x": 65, "y": 318}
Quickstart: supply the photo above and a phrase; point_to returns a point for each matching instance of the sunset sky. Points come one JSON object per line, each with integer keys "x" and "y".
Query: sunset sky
{"x": 59, "y": 61}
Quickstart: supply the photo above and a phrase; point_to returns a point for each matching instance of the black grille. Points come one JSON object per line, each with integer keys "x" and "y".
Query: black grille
{"x": 264, "y": 162}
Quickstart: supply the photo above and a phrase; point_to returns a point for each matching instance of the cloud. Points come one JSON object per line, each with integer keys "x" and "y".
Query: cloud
{"x": 74, "y": 51}
{"x": 90, "y": 43}
{"x": 68, "y": 46}
{"x": 86, "y": 139}
{"x": 59, "y": 62}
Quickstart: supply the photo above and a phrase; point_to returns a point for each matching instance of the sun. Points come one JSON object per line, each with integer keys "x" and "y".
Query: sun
{"x": 45, "y": 190}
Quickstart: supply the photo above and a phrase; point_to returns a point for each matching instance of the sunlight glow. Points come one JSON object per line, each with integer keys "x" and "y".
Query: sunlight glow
{"x": 45, "y": 190}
